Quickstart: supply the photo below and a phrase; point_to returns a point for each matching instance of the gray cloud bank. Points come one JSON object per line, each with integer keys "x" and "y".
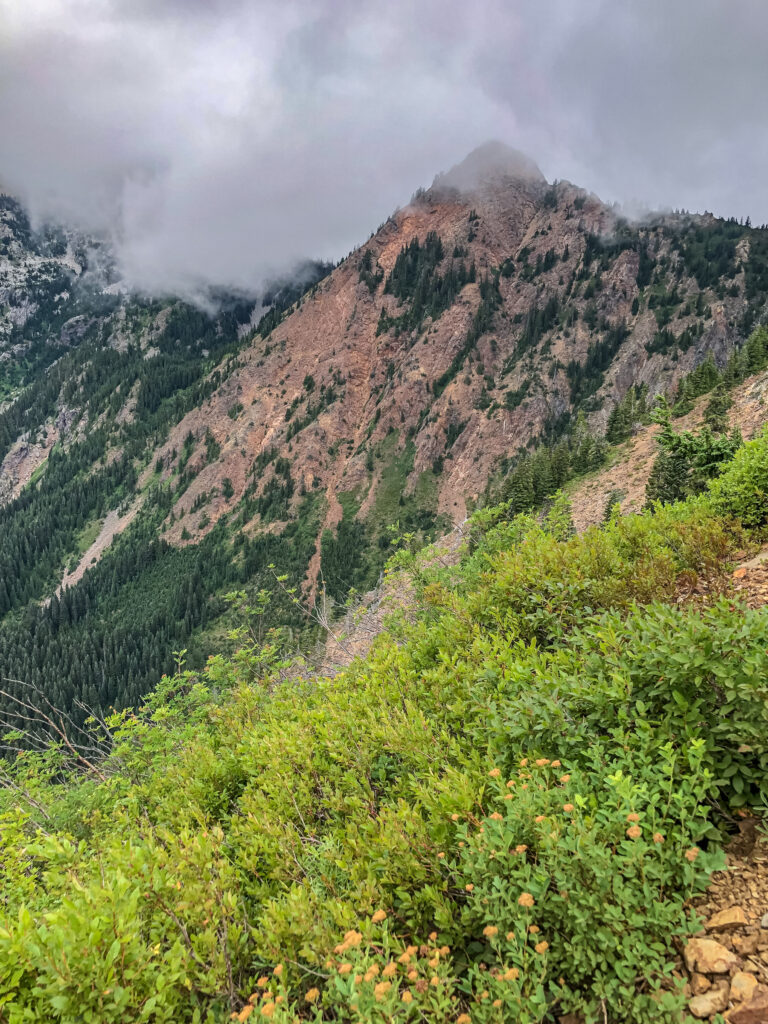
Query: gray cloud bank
{"x": 221, "y": 141}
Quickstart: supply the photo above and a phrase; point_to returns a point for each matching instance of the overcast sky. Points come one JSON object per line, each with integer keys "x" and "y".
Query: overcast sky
{"x": 220, "y": 141}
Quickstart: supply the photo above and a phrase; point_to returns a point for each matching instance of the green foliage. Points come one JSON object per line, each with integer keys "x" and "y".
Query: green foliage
{"x": 520, "y": 774}
{"x": 742, "y": 489}
{"x": 535, "y": 476}
{"x": 585, "y": 378}
{"x": 716, "y": 411}
{"x": 633, "y": 408}
{"x": 415, "y": 279}
{"x": 686, "y": 462}
{"x": 490, "y": 300}
{"x": 371, "y": 278}
{"x": 708, "y": 251}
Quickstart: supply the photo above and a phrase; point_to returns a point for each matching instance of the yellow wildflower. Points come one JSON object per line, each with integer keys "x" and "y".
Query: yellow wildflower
{"x": 692, "y": 854}
{"x": 389, "y": 970}
{"x": 658, "y": 837}
{"x": 541, "y": 947}
{"x": 381, "y": 990}
{"x": 380, "y": 915}
{"x": 345, "y": 968}
{"x": 494, "y": 773}
{"x": 526, "y": 900}
{"x": 407, "y": 996}
{"x": 634, "y": 832}
{"x": 490, "y": 930}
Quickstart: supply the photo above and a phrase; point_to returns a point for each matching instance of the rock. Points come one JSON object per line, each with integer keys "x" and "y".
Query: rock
{"x": 754, "y": 1010}
{"x": 742, "y": 986}
{"x": 710, "y": 1003}
{"x": 725, "y": 920}
{"x": 709, "y": 957}
{"x": 746, "y": 945}
{"x": 764, "y": 921}
{"x": 700, "y": 984}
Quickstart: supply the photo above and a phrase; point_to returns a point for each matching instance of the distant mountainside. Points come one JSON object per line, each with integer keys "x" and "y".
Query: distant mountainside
{"x": 156, "y": 457}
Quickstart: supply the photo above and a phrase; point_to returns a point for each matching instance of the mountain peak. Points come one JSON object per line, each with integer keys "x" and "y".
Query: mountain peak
{"x": 490, "y": 163}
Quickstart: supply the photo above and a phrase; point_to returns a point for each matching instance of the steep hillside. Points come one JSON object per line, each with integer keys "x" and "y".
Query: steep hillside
{"x": 156, "y": 457}
{"x": 474, "y": 321}
{"x": 626, "y": 477}
{"x": 508, "y": 811}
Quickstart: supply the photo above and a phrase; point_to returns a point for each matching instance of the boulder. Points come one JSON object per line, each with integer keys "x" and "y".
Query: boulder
{"x": 700, "y": 984}
{"x": 753, "y": 1010}
{"x": 743, "y": 986}
{"x": 709, "y": 957}
{"x": 725, "y": 920}
{"x": 746, "y": 945}
{"x": 710, "y": 1003}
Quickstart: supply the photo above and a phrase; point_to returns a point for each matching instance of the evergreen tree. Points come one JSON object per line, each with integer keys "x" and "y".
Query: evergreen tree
{"x": 716, "y": 412}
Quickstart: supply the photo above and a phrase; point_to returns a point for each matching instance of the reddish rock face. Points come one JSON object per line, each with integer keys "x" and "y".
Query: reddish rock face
{"x": 492, "y": 397}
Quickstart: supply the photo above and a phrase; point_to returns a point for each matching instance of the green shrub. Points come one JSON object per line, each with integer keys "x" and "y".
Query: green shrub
{"x": 249, "y": 818}
{"x": 742, "y": 490}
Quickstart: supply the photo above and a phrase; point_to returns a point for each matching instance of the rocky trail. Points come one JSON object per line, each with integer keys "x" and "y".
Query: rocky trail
{"x": 725, "y": 966}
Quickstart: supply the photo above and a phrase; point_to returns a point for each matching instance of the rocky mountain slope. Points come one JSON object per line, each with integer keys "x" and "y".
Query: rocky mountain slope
{"x": 155, "y": 456}
{"x": 568, "y": 306}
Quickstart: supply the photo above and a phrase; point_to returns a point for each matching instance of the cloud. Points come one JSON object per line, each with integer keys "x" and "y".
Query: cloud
{"x": 221, "y": 141}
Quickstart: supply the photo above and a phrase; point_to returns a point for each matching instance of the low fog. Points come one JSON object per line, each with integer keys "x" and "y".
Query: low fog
{"x": 219, "y": 142}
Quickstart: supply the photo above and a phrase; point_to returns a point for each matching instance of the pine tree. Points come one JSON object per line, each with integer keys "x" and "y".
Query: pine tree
{"x": 716, "y": 412}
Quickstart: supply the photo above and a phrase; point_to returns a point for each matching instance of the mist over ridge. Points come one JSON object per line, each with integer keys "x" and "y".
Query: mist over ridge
{"x": 219, "y": 144}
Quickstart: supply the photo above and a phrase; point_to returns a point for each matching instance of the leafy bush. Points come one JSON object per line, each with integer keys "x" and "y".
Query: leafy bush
{"x": 500, "y": 814}
{"x": 742, "y": 490}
